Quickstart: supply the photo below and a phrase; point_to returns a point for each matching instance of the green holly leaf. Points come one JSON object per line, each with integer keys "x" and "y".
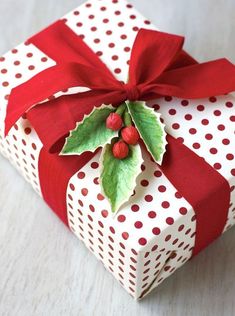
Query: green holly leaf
{"x": 150, "y": 128}
{"x": 118, "y": 177}
{"x": 91, "y": 133}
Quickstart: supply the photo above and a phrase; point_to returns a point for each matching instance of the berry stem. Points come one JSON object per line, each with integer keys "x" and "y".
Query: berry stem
{"x": 127, "y": 119}
{"x": 121, "y": 109}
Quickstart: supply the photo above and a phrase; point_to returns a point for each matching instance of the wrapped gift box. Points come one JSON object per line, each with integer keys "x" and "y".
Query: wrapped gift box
{"x": 154, "y": 233}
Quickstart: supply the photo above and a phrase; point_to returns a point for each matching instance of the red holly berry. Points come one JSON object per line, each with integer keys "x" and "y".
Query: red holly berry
{"x": 120, "y": 150}
{"x": 114, "y": 121}
{"x": 130, "y": 135}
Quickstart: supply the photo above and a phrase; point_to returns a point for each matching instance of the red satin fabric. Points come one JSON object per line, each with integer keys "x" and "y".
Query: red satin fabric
{"x": 150, "y": 75}
{"x": 55, "y": 172}
{"x": 204, "y": 188}
{"x": 160, "y": 67}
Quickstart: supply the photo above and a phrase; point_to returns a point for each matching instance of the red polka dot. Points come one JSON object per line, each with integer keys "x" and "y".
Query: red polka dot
{"x": 205, "y": 122}
{"x": 91, "y": 207}
{"x": 217, "y": 112}
{"x": 27, "y": 130}
{"x": 184, "y": 102}
{"x": 165, "y": 204}
{"x": 81, "y": 175}
{"x": 175, "y": 126}
{"x": 172, "y": 111}
{"x": 142, "y": 241}
{"x": 212, "y": 99}
{"x": 221, "y": 127}
{"x": 183, "y": 210}
{"x": 157, "y": 174}
{"x": 156, "y": 231}
{"x": 125, "y": 235}
{"x": 117, "y": 70}
{"x": 135, "y": 208}
{"x": 208, "y": 136}
{"x": 121, "y": 218}
{"x": 226, "y": 141}
{"x": 192, "y": 131}
{"x": 213, "y": 150}
{"x": 84, "y": 191}
{"x": 148, "y": 198}
{"x": 112, "y": 229}
{"x": 188, "y": 117}
{"x": 120, "y": 24}
{"x": 233, "y": 172}
{"x": 104, "y": 213}
{"x": 144, "y": 183}
{"x": 152, "y": 214}
{"x": 94, "y": 165}
{"x": 168, "y": 98}
{"x": 230, "y": 156}
{"x": 114, "y": 57}
{"x": 138, "y": 224}
{"x": 229, "y": 104}
{"x": 168, "y": 237}
{"x": 161, "y": 188}
{"x": 100, "y": 197}
{"x": 170, "y": 220}
{"x": 232, "y": 118}
{"x": 127, "y": 49}
{"x": 181, "y": 227}
{"x": 200, "y": 107}
{"x": 196, "y": 145}
{"x": 72, "y": 187}
{"x": 178, "y": 195}
{"x": 217, "y": 166}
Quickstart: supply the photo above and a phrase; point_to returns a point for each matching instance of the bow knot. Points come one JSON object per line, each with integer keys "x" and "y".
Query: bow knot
{"x": 132, "y": 92}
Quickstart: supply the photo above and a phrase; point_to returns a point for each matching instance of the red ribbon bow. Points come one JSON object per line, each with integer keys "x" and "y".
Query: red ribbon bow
{"x": 158, "y": 67}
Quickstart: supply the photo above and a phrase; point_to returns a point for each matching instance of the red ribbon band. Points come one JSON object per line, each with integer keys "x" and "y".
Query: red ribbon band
{"x": 158, "y": 68}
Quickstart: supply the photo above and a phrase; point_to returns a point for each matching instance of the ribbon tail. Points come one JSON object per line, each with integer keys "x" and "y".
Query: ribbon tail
{"x": 197, "y": 81}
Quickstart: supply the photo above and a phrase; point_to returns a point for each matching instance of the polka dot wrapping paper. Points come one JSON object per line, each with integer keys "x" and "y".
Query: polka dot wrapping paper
{"x": 154, "y": 233}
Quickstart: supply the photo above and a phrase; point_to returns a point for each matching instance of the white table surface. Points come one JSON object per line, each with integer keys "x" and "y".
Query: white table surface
{"x": 44, "y": 269}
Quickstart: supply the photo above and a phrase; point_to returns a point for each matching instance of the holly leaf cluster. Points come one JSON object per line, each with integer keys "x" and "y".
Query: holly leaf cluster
{"x": 117, "y": 130}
